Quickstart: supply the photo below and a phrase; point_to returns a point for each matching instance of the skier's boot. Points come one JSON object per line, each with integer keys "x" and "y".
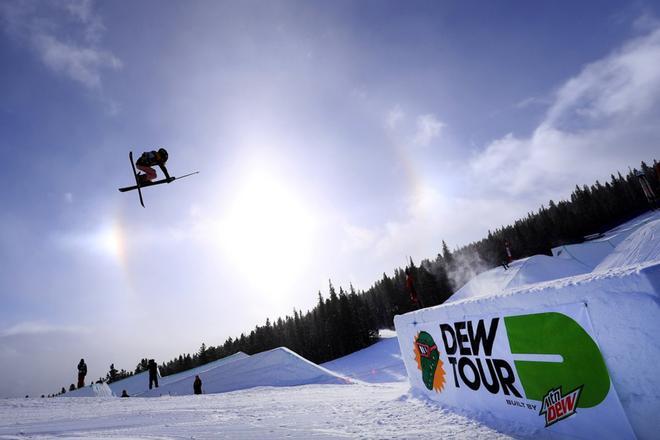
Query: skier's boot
{"x": 142, "y": 179}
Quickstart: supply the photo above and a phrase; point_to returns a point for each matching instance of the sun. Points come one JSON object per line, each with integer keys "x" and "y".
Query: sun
{"x": 267, "y": 230}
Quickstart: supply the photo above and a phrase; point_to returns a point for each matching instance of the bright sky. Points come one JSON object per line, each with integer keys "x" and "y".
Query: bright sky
{"x": 333, "y": 140}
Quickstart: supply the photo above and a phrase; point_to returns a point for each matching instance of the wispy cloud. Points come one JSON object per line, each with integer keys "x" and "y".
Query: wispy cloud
{"x": 394, "y": 116}
{"x": 428, "y": 128}
{"x": 81, "y": 64}
{"x": 601, "y": 120}
{"x": 38, "y": 328}
{"x": 64, "y": 35}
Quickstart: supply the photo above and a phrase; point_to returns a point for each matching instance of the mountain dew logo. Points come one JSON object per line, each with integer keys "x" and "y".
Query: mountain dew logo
{"x": 554, "y": 333}
{"x": 428, "y": 360}
{"x": 549, "y": 352}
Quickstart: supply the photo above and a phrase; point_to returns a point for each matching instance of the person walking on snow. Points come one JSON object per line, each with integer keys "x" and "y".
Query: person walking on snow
{"x": 82, "y": 372}
{"x": 153, "y": 373}
{"x": 150, "y": 159}
{"x": 197, "y": 385}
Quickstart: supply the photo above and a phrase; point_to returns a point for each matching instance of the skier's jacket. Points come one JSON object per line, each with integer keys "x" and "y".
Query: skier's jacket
{"x": 153, "y": 368}
{"x": 411, "y": 287}
{"x": 82, "y": 368}
{"x": 150, "y": 159}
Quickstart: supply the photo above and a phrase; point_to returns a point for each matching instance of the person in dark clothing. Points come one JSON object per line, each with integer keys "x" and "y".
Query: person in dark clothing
{"x": 410, "y": 285}
{"x": 197, "y": 385}
{"x": 150, "y": 159}
{"x": 648, "y": 190}
{"x": 82, "y": 372}
{"x": 153, "y": 373}
{"x": 507, "y": 249}
{"x": 124, "y": 393}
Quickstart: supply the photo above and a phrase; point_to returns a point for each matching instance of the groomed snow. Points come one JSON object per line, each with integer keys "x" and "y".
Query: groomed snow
{"x": 640, "y": 247}
{"x": 279, "y": 367}
{"x": 368, "y": 411}
{"x": 378, "y": 363}
{"x": 139, "y": 383}
{"x": 628, "y": 244}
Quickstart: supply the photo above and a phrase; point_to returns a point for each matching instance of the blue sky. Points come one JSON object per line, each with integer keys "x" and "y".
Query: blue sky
{"x": 333, "y": 140}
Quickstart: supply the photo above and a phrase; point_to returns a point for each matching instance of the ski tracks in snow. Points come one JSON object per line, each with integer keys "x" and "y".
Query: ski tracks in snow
{"x": 364, "y": 411}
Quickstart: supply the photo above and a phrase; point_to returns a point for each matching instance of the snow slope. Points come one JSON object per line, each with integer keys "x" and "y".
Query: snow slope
{"x": 139, "y": 383}
{"x": 93, "y": 390}
{"x": 570, "y": 260}
{"x": 368, "y": 411}
{"x": 279, "y": 367}
{"x": 378, "y": 363}
{"x": 640, "y": 247}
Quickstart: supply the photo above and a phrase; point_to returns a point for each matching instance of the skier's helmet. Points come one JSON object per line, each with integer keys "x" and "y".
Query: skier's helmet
{"x": 163, "y": 154}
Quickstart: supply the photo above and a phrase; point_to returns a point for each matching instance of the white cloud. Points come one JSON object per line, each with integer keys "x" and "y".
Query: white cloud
{"x": 66, "y": 47}
{"x": 81, "y": 64}
{"x": 602, "y": 120}
{"x": 624, "y": 85}
{"x": 428, "y": 128}
{"x": 394, "y": 117}
{"x": 38, "y": 328}
{"x": 357, "y": 238}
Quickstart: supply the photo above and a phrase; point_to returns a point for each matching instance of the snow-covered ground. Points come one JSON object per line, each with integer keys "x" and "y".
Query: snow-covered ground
{"x": 278, "y": 394}
{"x": 379, "y": 363}
{"x": 381, "y": 411}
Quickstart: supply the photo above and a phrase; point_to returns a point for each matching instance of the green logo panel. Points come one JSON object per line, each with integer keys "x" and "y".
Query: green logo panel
{"x": 557, "y": 334}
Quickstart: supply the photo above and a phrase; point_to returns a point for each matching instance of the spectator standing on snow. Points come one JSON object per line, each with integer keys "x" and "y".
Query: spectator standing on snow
{"x": 153, "y": 373}
{"x": 197, "y": 385}
{"x": 82, "y": 372}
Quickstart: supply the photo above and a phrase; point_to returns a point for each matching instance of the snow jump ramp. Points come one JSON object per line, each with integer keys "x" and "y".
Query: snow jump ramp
{"x": 279, "y": 367}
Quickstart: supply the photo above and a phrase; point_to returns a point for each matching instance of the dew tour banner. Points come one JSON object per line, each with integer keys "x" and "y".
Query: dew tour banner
{"x": 542, "y": 368}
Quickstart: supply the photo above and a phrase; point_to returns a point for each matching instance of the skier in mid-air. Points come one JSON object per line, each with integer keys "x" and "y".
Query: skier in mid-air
{"x": 150, "y": 159}
{"x": 410, "y": 285}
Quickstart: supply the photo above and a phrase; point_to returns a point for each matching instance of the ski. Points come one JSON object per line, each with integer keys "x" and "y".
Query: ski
{"x": 156, "y": 182}
{"x": 137, "y": 181}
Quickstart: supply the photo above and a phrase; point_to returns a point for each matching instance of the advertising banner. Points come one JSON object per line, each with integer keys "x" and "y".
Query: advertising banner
{"x": 542, "y": 368}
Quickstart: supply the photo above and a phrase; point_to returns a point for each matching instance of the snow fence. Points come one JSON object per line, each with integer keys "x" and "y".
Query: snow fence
{"x": 576, "y": 356}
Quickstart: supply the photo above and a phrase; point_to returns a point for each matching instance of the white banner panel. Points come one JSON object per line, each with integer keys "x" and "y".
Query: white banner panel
{"x": 542, "y": 368}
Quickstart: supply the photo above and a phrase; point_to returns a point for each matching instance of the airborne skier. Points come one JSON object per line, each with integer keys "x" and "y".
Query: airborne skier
{"x": 145, "y": 162}
{"x": 149, "y": 159}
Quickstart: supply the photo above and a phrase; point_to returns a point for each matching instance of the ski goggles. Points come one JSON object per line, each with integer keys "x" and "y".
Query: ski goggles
{"x": 425, "y": 350}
